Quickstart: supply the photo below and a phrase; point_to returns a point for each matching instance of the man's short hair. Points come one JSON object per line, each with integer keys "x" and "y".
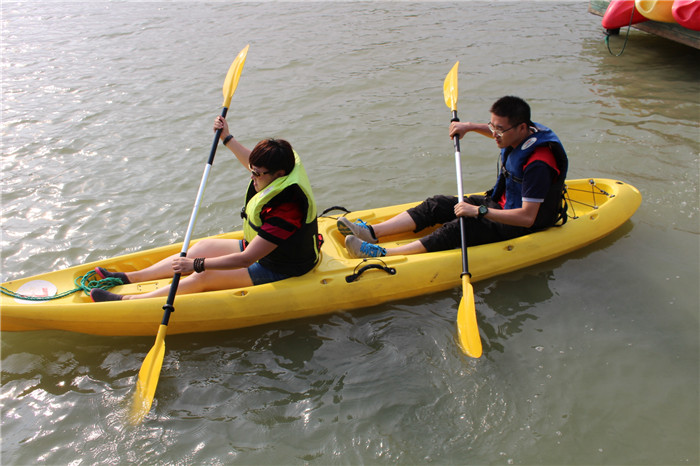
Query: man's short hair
{"x": 514, "y": 108}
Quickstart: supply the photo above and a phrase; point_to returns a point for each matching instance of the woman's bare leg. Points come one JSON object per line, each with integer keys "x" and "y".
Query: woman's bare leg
{"x": 209, "y": 280}
{"x": 204, "y": 248}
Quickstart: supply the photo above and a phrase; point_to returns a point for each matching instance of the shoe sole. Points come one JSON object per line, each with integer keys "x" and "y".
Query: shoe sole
{"x": 343, "y": 229}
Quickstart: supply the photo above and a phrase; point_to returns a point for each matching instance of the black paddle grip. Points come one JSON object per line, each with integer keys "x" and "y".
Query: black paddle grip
{"x": 456, "y": 137}
{"x": 217, "y": 135}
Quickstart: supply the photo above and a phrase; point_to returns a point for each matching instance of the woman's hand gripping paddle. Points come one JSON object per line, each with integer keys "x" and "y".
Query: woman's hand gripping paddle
{"x": 467, "y": 328}
{"x": 150, "y": 370}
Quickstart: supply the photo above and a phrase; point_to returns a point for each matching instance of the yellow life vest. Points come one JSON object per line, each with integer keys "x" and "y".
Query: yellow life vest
{"x": 254, "y": 205}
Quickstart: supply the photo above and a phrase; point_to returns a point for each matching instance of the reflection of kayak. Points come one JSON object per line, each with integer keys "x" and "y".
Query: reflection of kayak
{"x": 621, "y": 13}
{"x": 338, "y": 282}
{"x": 687, "y": 13}
{"x": 656, "y": 10}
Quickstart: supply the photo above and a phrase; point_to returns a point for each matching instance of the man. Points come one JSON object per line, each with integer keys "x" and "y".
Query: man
{"x": 527, "y": 196}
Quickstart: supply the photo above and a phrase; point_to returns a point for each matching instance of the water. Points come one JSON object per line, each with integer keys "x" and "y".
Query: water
{"x": 106, "y": 128}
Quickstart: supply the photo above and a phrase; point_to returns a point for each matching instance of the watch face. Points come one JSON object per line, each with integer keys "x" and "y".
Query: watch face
{"x": 483, "y": 209}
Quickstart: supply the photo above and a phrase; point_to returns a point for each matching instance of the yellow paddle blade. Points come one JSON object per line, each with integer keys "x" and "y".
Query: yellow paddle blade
{"x": 450, "y": 88}
{"x": 148, "y": 379}
{"x": 467, "y": 328}
{"x": 234, "y": 73}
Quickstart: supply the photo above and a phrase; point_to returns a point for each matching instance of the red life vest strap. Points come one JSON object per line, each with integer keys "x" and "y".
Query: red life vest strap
{"x": 544, "y": 154}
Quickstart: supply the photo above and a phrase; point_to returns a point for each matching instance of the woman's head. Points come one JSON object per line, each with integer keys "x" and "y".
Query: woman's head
{"x": 269, "y": 160}
{"x": 273, "y": 155}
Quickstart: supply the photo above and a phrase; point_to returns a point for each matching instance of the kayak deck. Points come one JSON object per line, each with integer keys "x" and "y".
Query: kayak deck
{"x": 338, "y": 282}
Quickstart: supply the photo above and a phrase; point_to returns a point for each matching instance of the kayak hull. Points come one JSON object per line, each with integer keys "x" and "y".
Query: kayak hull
{"x": 597, "y": 208}
{"x": 687, "y": 13}
{"x": 621, "y": 13}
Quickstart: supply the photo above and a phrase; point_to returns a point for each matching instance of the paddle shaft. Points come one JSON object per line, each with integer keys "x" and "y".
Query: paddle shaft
{"x": 168, "y": 307}
{"x": 460, "y": 194}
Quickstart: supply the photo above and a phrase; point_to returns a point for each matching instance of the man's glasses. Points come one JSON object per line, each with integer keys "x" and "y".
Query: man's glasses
{"x": 499, "y": 132}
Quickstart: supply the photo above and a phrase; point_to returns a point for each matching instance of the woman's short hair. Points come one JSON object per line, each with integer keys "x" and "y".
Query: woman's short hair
{"x": 273, "y": 155}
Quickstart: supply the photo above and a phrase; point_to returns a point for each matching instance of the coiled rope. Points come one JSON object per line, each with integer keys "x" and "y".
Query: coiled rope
{"x": 83, "y": 283}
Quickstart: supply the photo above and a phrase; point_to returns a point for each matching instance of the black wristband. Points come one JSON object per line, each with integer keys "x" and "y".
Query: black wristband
{"x": 228, "y": 138}
{"x": 198, "y": 265}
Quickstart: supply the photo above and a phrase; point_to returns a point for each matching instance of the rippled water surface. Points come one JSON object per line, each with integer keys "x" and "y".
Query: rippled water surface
{"x": 106, "y": 127}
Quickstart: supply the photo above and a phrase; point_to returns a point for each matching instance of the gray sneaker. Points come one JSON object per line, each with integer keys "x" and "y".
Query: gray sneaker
{"x": 358, "y": 248}
{"x": 360, "y": 229}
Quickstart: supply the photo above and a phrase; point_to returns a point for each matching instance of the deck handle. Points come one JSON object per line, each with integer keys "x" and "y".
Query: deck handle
{"x": 382, "y": 266}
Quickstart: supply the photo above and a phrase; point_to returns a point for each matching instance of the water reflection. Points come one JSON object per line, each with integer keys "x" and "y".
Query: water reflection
{"x": 506, "y": 305}
{"x": 654, "y": 81}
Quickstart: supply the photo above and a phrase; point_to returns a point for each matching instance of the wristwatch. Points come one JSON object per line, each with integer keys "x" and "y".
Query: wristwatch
{"x": 483, "y": 210}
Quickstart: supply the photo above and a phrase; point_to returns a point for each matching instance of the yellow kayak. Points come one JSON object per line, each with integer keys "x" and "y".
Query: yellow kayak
{"x": 656, "y": 10}
{"x": 596, "y": 208}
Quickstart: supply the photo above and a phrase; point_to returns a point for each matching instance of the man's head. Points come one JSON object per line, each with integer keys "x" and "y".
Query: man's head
{"x": 510, "y": 121}
{"x": 514, "y": 108}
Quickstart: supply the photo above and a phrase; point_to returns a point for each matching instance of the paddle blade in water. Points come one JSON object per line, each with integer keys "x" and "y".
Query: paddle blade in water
{"x": 234, "y": 73}
{"x": 450, "y": 88}
{"x": 467, "y": 329}
{"x": 148, "y": 379}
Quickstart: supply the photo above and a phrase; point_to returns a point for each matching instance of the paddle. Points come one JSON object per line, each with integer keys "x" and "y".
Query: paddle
{"x": 467, "y": 328}
{"x": 150, "y": 370}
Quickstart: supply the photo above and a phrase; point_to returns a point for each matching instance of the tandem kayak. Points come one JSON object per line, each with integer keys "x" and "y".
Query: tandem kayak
{"x": 596, "y": 207}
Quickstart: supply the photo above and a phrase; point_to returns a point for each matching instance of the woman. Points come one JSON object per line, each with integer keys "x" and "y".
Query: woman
{"x": 280, "y": 230}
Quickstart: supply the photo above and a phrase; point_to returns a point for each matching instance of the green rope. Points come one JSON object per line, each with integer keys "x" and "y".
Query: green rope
{"x": 607, "y": 37}
{"x": 84, "y": 283}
